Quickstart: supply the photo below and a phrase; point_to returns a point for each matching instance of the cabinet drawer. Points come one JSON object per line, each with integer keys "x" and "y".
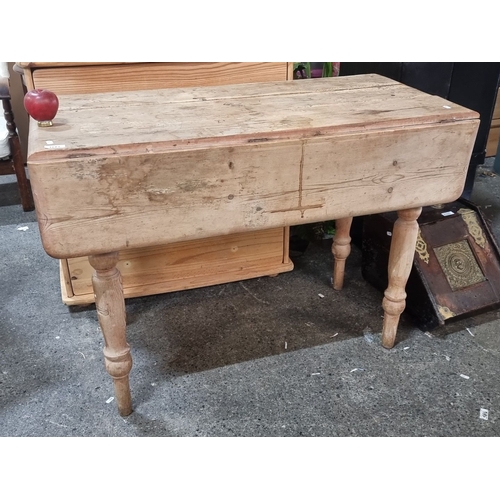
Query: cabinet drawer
{"x": 148, "y": 76}
{"x": 186, "y": 265}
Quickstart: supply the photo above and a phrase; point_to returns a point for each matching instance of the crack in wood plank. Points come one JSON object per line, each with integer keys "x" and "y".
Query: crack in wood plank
{"x": 293, "y": 209}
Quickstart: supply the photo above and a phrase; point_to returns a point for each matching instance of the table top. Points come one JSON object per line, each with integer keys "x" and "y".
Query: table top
{"x": 157, "y": 120}
{"x": 135, "y": 169}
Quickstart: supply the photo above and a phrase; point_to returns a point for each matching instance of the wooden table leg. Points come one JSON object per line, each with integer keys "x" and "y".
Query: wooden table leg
{"x": 404, "y": 238}
{"x": 341, "y": 248}
{"x": 110, "y": 306}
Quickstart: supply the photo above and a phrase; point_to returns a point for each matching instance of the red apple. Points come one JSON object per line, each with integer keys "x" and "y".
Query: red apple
{"x": 42, "y": 105}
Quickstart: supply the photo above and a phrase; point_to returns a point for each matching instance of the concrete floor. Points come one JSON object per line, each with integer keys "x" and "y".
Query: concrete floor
{"x": 263, "y": 357}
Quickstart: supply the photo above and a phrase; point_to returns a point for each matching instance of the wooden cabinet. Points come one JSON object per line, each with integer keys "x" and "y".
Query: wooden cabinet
{"x": 185, "y": 265}
{"x": 470, "y": 84}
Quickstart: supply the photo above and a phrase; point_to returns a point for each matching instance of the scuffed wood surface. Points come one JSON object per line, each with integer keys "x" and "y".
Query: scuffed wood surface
{"x": 156, "y": 120}
{"x": 148, "y": 168}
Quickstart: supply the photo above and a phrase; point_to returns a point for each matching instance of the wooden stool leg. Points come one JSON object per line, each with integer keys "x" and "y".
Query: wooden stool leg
{"x": 341, "y": 248}
{"x": 110, "y": 306}
{"x": 404, "y": 238}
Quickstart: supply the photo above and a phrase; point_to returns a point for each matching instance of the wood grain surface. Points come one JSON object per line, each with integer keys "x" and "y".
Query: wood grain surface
{"x": 70, "y": 78}
{"x": 217, "y": 160}
{"x": 185, "y": 265}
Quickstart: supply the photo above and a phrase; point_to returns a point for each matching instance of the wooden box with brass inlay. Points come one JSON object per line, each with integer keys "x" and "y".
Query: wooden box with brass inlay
{"x": 456, "y": 269}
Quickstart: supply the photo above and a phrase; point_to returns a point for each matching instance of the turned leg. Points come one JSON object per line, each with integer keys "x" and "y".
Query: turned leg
{"x": 110, "y": 306}
{"x": 341, "y": 248}
{"x": 404, "y": 238}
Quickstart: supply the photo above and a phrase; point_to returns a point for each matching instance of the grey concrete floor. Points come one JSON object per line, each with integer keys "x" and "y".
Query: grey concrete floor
{"x": 262, "y": 357}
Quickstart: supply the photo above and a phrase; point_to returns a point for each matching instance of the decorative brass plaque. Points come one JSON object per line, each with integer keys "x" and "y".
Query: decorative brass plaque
{"x": 470, "y": 218}
{"x": 421, "y": 247}
{"x": 459, "y": 265}
{"x": 445, "y": 312}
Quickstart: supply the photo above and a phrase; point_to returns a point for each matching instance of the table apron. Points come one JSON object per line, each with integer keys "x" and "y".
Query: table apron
{"x": 96, "y": 204}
